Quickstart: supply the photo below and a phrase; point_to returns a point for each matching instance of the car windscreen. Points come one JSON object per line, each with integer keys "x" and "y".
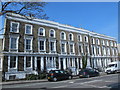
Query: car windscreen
{"x": 57, "y": 71}
{"x": 111, "y": 65}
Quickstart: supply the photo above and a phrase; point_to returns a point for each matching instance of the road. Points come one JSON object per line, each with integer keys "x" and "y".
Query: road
{"x": 107, "y": 81}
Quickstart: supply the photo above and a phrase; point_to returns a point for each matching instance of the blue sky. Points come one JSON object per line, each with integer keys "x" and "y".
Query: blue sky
{"x": 100, "y": 17}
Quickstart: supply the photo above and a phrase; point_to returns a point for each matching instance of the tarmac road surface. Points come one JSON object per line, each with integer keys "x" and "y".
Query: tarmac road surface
{"x": 107, "y": 81}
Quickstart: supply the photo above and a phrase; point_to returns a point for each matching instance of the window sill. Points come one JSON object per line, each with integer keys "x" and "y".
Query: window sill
{"x": 12, "y": 70}
{"x": 13, "y": 49}
{"x": 63, "y": 53}
{"x": 41, "y": 35}
{"x": 72, "y": 53}
{"x": 42, "y": 50}
{"x": 28, "y": 50}
{"x": 28, "y": 34}
{"x": 53, "y": 52}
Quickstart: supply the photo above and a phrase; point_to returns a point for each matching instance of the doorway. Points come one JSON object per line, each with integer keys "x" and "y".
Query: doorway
{"x": 61, "y": 62}
{"x": 38, "y": 64}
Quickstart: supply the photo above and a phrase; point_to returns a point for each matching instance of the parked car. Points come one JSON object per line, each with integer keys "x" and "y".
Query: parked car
{"x": 49, "y": 69}
{"x": 88, "y": 73}
{"x": 113, "y": 67}
{"x": 55, "y": 75}
{"x": 73, "y": 70}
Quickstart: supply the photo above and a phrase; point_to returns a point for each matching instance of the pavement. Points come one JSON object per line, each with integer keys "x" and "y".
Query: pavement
{"x": 106, "y": 82}
{"x": 35, "y": 81}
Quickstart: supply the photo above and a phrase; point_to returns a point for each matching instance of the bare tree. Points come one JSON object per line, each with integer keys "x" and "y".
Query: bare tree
{"x": 33, "y": 9}
{"x": 84, "y": 61}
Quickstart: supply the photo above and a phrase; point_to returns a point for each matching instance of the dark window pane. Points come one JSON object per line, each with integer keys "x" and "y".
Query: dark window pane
{"x": 12, "y": 62}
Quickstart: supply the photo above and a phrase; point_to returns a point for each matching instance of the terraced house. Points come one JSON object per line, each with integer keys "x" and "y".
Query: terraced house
{"x": 30, "y": 45}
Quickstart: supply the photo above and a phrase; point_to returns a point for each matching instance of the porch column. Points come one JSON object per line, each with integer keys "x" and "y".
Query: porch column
{"x": 31, "y": 62}
{"x": 64, "y": 63}
{"x": 73, "y": 62}
{"x": 88, "y": 62}
{"x": 54, "y": 62}
{"x": 77, "y": 63}
{"x": 69, "y": 62}
{"x": 59, "y": 63}
{"x": 100, "y": 64}
{"x": 68, "y": 65}
{"x": 8, "y": 63}
{"x": 97, "y": 62}
{"x": 105, "y": 62}
{"x": 47, "y": 62}
{"x": 94, "y": 62}
{"x": 35, "y": 63}
{"x": 17, "y": 63}
{"x": 24, "y": 63}
{"x": 81, "y": 63}
{"x": 42, "y": 63}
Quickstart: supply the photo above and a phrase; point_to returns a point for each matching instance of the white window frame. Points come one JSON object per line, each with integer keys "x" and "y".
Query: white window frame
{"x": 99, "y": 50}
{"x": 30, "y": 30}
{"x": 80, "y": 39}
{"x": 1, "y": 63}
{"x": 17, "y": 27}
{"x": 104, "y": 50}
{"x": 93, "y": 50}
{"x": 16, "y": 43}
{"x": 64, "y": 47}
{"x": 70, "y": 48}
{"x": 103, "y": 42}
{"x": 54, "y": 46}
{"x": 108, "y": 51}
{"x": 93, "y": 40}
{"x": 86, "y": 38}
{"x": 107, "y": 43}
{"x": 64, "y": 35}
{"x": 79, "y": 49}
{"x": 71, "y": 37}
{"x": 115, "y": 44}
{"x": 50, "y": 33}
{"x": 87, "y": 49}
{"x": 15, "y": 68}
{"x": 116, "y": 50}
{"x": 39, "y": 44}
{"x": 30, "y": 61}
{"x": 43, "y": 31}
{"x": 111, "y": 43}
{"x": 97, "y": 41}
{"x": 31, "y": 47}
{"x": 113, "y": 51}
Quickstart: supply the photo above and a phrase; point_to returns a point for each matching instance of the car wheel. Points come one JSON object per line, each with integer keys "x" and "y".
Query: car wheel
{"x": 88, "y": 76}
{"x": 54, "y": 79}
{"x": 70, "y": 77}
{"x": 115, "y": 72}
{"x": 49, "y": 80}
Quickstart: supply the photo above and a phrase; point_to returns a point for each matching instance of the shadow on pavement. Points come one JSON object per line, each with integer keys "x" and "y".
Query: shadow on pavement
{"x": 115, "y": 86}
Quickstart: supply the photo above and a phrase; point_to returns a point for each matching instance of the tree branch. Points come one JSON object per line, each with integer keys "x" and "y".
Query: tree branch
{"x": 5, "y": 5}
{"x": 21, "y": 10}
{"x": 2, "y": 13}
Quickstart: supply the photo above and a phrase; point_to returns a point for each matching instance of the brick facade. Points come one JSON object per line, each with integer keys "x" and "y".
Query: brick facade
{"x": 29, "y": 62}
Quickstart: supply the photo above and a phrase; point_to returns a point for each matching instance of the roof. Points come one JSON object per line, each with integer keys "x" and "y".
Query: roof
{"x": 57, "y": 25}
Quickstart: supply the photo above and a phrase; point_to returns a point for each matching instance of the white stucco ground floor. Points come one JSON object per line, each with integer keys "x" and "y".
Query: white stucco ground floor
{"x": 19, "y": 66}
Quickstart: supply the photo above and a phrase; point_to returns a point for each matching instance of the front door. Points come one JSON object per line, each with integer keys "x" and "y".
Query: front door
{"x": 38, "y": 64}
{"x": 61, "y": 62}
